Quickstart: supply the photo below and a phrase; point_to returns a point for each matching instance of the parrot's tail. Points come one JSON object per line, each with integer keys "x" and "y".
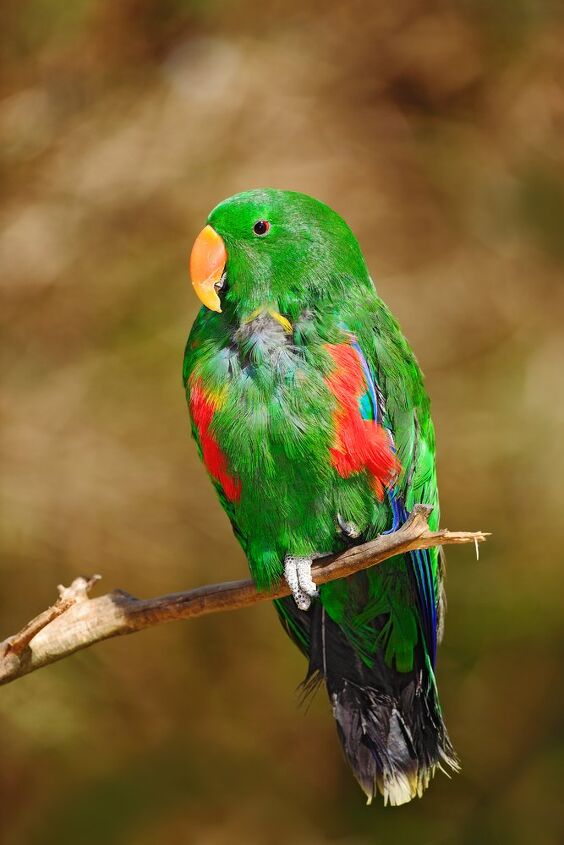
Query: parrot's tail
{"x": 389, "y": 722}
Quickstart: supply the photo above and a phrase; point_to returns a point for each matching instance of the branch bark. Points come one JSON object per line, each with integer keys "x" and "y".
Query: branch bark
{"x": 75, "y": 621}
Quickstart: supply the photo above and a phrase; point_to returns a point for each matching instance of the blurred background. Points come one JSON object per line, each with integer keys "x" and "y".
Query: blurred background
{"x": 436, "y": 129}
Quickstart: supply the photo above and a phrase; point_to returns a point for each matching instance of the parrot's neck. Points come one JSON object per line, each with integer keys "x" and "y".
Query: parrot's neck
{"x": 266, "y": 328}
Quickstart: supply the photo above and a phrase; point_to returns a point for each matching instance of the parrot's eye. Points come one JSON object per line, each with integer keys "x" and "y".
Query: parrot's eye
{"x": 261, "y": 227}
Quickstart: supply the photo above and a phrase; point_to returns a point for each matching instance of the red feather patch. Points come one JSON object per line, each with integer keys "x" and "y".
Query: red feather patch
{"x": 203, "y": 406}
{"x": 359, "y": 444}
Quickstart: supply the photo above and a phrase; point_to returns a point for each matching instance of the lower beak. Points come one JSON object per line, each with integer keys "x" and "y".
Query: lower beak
{"x": 207, "y": 262}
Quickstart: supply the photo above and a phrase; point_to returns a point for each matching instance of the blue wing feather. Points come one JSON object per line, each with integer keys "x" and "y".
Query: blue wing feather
{"x": 372, "y": 407}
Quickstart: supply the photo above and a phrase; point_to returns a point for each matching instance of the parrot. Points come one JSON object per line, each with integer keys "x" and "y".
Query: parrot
{"x": 310, "y": 415}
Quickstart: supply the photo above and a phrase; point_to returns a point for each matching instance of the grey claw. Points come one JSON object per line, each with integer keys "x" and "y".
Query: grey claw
{"x": 348, "y": 528}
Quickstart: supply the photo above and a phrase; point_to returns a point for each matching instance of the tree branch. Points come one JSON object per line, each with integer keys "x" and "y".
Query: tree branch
{"x": 75, "y": 621}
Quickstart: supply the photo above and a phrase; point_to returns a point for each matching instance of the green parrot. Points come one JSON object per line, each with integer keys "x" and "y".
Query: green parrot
{"x": 309, "y": 412}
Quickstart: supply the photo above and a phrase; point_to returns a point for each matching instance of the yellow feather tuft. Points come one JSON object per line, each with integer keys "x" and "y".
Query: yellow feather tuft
{"x": 286, "y": 324}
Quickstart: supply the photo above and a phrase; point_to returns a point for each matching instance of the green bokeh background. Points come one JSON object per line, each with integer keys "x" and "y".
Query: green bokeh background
{"x": 436, "y": 129}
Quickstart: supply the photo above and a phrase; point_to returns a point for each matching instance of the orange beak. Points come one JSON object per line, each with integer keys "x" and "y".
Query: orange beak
{"x": 207, "y": 262}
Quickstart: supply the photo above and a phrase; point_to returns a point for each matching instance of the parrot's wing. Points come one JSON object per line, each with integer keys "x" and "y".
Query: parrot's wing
{"x": 394, "y": 402}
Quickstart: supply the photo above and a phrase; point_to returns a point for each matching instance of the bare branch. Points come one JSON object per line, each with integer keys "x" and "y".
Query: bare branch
{"x": 75, "y": 621}
{"x": 78, "y": 591}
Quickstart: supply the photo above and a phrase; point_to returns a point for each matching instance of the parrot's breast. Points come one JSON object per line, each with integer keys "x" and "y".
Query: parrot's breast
{"x": 281, "y": 433}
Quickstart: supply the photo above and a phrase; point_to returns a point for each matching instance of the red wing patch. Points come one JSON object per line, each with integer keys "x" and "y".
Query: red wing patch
{"x": 203, "y": 406}
{"x": 359, "y": 444}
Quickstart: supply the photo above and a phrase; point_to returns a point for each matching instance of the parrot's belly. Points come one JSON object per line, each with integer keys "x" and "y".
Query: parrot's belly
{"x": 277, "y": 435}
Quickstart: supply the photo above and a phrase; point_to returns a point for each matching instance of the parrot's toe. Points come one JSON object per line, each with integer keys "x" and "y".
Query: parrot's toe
{"x": 297, "y": 572}
{"x": 350, "y": 529}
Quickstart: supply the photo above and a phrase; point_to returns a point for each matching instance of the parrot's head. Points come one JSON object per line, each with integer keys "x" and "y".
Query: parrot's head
{"x": 274, "y": 251}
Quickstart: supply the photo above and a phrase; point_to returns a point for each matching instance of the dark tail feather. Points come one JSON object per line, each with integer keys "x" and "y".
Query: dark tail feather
{"x": 389, "y": 722}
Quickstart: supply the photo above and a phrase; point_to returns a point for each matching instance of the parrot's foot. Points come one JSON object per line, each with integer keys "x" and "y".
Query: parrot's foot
{"x": 348, "y": 528}
{"x": 297, "y": 572}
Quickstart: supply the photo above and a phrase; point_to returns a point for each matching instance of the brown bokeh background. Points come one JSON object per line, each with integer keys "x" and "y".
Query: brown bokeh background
{"x": 436, "y": 129}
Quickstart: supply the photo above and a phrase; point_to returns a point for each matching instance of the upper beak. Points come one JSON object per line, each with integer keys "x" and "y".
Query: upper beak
{"x": 207, "y": 262}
